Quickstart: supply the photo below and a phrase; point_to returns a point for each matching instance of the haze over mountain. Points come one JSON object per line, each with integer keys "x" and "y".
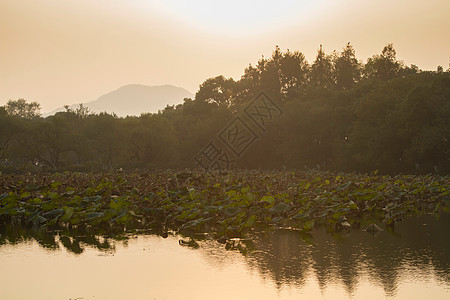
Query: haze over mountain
{"x": 134, "y": 99}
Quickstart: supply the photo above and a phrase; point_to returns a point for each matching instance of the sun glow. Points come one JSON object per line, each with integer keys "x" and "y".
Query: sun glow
{"x": 237, "y": 17}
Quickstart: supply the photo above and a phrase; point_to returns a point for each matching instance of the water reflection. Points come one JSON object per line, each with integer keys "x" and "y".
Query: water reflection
{"x": 418, "y": 250}
{"x": 74, "y": 241}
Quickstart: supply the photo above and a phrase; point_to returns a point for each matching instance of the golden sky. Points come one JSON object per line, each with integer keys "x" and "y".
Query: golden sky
{"x": 61, "y": 52}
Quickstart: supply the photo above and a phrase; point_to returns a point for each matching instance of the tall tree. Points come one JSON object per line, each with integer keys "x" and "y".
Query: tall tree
{"x": 293, "y": 73}
{"x": 248, "y": 85}
{"x": 347, "y": 68}
{"x": 7, "y": 130}
{"x": 322, "y": 70}
{"x": 384, "y": 66}
{"x": 22, "y": 109}
{"x": 217, "y": 90}
{"x": 269, "y": 70}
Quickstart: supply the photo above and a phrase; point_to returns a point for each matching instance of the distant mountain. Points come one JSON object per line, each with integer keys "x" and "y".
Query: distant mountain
{"x": 134, "y": 99}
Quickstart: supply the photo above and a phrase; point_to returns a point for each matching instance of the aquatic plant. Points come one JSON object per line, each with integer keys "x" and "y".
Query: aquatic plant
{"x": 225, "y": 204}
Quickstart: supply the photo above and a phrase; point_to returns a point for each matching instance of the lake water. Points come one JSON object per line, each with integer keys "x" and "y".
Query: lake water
{"x": 413, "y": 262}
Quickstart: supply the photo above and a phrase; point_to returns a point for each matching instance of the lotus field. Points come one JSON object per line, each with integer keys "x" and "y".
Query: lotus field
{"x": 224, "y": 204}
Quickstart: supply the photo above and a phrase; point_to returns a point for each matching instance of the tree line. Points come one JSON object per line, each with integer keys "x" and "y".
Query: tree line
{"x": 339, "y": 114}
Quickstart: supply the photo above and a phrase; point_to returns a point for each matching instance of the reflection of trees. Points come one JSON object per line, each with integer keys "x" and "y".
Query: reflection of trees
{"x": 417, "y": 246}
{"x": 413, "y": 247}
{"x": 74, "y": 241}
{"x": 282, "y": 257}
{"x": 334, "y": 260}
{"x": 15, "y": 234}
{"x": 290, "y": 257}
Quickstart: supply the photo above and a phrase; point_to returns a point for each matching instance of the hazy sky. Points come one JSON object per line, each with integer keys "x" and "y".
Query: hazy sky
{"x": 70, "y": 51}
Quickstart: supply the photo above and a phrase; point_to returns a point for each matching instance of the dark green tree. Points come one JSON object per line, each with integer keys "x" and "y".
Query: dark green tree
{"x": 22, "y": 109}
{"x": 321, "y": 73}
{"x": 270, "y": 74}
{"x": 293, "y": 74}
{"x": 217, "y": 90}
{"x": 384, "y": 66}
{"x": 7, "y": 130}
{"x": 347, "y": 68}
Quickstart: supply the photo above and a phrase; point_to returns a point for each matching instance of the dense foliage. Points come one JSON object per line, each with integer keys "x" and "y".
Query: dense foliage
{"x": 339, "y": 114}
{"x": 225, "y": 204}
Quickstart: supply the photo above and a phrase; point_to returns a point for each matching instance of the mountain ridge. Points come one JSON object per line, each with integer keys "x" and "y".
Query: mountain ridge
{"x": 134, "y": 99}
